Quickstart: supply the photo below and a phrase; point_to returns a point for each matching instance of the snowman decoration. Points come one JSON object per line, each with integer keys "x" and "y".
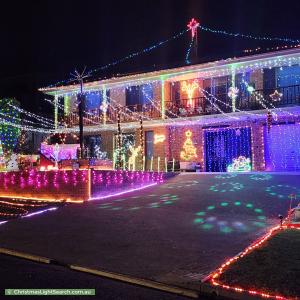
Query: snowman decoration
{"x": 12, "y": 163}
{"x": 55, "y": 155}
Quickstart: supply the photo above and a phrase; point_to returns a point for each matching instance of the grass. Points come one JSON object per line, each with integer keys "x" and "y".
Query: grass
{"x": 273, "y": 268}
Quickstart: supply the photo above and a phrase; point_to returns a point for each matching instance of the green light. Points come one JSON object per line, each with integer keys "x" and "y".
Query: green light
{"x": 258, "y": 210}
{"x": 249, "y": 205}
{"x": 167, "y": 202}
{"x": 162, "y": 98}
{"x": 134, "y": 208}
{"x": 259, "y": 224}
{"x": 210, "y": 207}
{"x": 226, "y": 229}
{"x": 198, "y": 220}
{"x": 250, "y": 89}
{"x": 200, "y": 213}
{"x": 207, "y": 226}
{"x": 224, "y": 204}
{"x": 237, "y": 203}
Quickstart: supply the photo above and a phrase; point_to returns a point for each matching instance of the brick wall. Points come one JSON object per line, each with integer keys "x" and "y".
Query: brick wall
{"x": 257, "y": 141}
{"x": 50, "y": 185}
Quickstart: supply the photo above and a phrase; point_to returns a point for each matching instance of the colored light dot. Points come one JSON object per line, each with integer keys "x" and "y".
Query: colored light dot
{"x": 237, "y": 203}
{"x": 198, "y": 220}
{"x": 259, "y": 224}
{"x": 261, "y": 217}
{"x": 258, "y": 210}
{"x": 200, "y": 213}
{"x": 226, "y": 229}
{"x": 207, "y": 226}
{"x": 168, "y": 202}
{"x": 134, "y": 208}
{"x": 249, "y": 205}
{"x": 224, "y": 203}
{"x": 210, "y": 207}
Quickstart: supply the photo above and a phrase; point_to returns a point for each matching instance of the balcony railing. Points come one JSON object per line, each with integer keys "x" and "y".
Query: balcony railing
{"x": 260, "y": 99}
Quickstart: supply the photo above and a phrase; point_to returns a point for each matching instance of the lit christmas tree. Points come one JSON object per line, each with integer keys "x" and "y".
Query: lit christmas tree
{"x": 189, "y": 150}
{"x": 9, "y": 114}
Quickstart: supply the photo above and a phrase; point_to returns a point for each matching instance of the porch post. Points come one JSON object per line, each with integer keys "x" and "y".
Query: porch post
{"x": 55, "y": 111}
{"x": 233, "y": 99}
{"x": 104, "y": 105}
{"x": 162, "y": 97}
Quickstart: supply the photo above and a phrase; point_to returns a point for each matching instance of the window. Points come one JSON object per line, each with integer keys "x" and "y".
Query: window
{"x": 94, "y": 100}
{"x": 149, "y": 137}
{"x": 288, "y": 76}
{"x": 139, "y": 95}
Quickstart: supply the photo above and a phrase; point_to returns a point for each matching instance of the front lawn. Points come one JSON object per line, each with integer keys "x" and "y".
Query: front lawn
{"x": 273, "y": 268}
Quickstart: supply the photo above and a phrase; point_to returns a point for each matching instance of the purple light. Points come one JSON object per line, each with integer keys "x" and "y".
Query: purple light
{"x": 3, "y": 222}
{"x": 124, "y": 192}
{"x": 40, "y": 212}
{"x": 66, "y": 151}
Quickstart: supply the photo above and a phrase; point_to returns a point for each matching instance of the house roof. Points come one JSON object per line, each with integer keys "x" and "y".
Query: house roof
{"x": 204, "y": 70}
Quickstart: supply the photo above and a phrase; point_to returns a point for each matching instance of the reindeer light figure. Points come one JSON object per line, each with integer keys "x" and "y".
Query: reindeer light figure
{"x": 189, "y": 88}
{"x": 132, "y": 157}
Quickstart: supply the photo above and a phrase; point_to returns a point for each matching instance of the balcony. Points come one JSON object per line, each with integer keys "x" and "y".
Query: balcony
{"x": 260, "y": 99}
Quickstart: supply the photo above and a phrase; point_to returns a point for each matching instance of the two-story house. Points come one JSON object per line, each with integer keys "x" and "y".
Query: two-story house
{"x": 219, "y": 114}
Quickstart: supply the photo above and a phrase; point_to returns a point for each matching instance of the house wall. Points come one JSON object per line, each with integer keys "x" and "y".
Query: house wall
{"x": 48, "y": 186}
{"x": 257, "y": 141}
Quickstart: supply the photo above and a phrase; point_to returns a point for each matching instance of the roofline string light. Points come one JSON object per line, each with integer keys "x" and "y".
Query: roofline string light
{"x": 193, "y": 26}
{"x": 248, "y": 36}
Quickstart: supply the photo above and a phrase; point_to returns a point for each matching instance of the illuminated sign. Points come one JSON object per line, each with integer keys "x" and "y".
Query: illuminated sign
{"x": 159, "y": 138}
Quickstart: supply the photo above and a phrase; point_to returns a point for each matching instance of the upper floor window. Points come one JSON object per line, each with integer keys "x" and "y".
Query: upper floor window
{"x": 288, "y": 76}
{"x": 93, "y": 100}
{"x": 139, "y": 95}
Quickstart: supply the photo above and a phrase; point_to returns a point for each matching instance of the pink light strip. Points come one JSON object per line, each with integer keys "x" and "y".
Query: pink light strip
{"x": 124, "y": 192}
{"x": 39, "y": 212}
{"x": 3, "y": 222}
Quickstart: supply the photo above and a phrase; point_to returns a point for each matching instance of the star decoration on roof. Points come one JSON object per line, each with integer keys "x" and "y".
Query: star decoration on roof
{"x": 276, "y": 96}
{"x": 193, "y": 26}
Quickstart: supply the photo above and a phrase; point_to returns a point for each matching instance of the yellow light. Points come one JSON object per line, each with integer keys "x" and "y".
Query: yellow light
{"x": 190, "y": 150}
{"x": 189, "y": 88}
{"x": 159, "y": 138}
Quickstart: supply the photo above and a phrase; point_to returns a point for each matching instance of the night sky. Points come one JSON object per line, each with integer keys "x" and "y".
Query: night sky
{"x": 43, "y": 41}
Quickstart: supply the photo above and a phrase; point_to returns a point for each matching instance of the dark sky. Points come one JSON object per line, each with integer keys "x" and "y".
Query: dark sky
{"x": 43, "y": 41}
